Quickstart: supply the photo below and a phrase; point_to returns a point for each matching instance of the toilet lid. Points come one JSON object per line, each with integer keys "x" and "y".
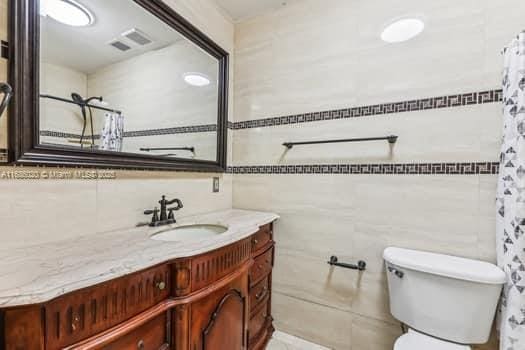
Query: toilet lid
{"x": 417, "y": 341}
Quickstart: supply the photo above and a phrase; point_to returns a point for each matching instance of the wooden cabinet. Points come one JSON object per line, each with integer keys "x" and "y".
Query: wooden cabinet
{"x": 79, "y": 315}
{"x": 219, "y": 320}
{"x": 151, "y": 336}
{"x": 213, "y": 301}
{"x": 260, "y": 327}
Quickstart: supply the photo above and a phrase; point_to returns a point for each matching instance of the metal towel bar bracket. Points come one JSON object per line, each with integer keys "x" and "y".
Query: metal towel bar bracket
{"x": 334, "y": 261}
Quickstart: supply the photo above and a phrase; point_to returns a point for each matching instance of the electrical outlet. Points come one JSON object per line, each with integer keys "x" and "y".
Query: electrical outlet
{"x": 216, "y": 184}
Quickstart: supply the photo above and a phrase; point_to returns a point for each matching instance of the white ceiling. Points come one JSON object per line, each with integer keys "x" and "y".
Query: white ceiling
{"x": 86, "y": 49}
{"x": 242, "y": 9}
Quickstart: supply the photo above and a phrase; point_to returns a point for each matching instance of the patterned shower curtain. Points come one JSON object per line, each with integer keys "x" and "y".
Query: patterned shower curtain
{"x": 510, "y": 206}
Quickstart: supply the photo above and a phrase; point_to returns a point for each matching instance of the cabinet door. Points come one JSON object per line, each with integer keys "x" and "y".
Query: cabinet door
{"x": 219, "y": 321}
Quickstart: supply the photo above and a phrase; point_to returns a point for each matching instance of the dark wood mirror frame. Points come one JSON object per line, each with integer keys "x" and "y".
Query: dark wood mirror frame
{"x": 24, "y": 148}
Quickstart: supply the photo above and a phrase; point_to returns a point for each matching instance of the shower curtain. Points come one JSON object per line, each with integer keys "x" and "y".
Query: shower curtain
{"x": 112, "y": 133}
{"x": 510, "y": 206}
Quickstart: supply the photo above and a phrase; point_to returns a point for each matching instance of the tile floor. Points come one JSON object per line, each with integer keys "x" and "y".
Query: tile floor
{"x": 283, "y": 341}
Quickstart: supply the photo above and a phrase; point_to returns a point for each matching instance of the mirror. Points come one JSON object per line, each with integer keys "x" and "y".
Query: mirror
{"x": 122, "y": 81}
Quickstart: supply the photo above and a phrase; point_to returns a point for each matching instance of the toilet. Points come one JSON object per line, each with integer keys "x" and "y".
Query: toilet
{"x": 447, "y": 302}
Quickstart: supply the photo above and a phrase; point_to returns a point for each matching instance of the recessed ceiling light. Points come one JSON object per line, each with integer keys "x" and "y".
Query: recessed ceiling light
{"x": 402, "y": 30}
{"x": 67, "y": 12}
{"x": 196, "y": 79}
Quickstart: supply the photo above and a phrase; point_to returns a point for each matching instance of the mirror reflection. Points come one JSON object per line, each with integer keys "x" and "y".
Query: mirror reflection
{"x": 114, "y": 77}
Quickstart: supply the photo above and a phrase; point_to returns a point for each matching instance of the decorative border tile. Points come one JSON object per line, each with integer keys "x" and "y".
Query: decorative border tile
{"x": 172, "y": 131}
{"x": 141, "y": 133}
{"x": 467, "y": 168}
{"x": 470, "y": 98}
{"x": 64, "y": 135}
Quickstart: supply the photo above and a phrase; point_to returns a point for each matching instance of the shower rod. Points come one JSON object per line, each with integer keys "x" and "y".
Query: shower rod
{"x": 391, "y": 139}
{"x": 75, "y": 103}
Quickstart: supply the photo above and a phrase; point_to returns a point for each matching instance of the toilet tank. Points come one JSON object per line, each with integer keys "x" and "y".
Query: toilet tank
{"x": 443, "y": 296}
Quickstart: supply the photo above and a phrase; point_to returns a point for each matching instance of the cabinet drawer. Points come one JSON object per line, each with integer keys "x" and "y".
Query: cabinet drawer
{"x": 262, "y": 266}
{"x": 151, "y": 336}
{"x": 82, "y": 314}
{"x": 262, "y": 237}
{"x": 258, "y": 322}
{"x": 259, "y": 292}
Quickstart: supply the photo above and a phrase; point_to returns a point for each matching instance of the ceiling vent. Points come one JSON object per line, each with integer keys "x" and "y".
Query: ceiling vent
{"x": 119, "y": 45}
{"x": 137, "y": 37}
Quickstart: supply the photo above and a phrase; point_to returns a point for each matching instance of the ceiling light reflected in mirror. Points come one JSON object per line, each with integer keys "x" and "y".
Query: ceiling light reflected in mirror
{"x": 68, "y": 12}
{"x": 196, "y": 79}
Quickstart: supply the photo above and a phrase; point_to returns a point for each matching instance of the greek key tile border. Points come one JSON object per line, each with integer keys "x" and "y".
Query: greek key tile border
{"x": 141, "y": 133}
{"x": 467, "y": 168}
{"x": 64, "y": 135}
{"x": 470, "y": 98}
{"x": 172, "y": 131}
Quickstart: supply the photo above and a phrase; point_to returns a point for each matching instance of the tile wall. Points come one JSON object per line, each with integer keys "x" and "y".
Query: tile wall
{"x": 348, "y": 199}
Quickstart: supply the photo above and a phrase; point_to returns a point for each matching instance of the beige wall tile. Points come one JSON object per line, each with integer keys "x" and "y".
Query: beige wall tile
{"x": 313, "y": 322}
{"x": 312, "y": 57}
{"x": 3, "y": 19}
{"x": 42, "y": 211}
{"x": 138, "y": 194}
{"x": 487, "y": 218}
{"x": 309, "y": 277}
{"x": 251, "y": 192}
{"x": 369, "y": 334}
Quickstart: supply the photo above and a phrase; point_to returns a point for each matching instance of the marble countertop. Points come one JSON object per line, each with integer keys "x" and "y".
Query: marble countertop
{"x": 36, "y": 274}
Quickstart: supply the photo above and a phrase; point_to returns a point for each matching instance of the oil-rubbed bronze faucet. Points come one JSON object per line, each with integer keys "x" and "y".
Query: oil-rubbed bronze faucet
{"x": 165, "y": 217}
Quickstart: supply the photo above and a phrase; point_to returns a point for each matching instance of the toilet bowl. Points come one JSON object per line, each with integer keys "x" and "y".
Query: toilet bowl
{"x": 416, "y": 341}
{"x": 447, "y": 302}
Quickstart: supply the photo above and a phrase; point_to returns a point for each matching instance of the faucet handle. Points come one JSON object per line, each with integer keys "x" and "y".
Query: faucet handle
{"x": 155, "y": 213}
{"x": 171, "y": 215}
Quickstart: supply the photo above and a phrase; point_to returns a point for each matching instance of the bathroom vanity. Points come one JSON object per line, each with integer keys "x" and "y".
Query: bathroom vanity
{"x": 134, "y": 292}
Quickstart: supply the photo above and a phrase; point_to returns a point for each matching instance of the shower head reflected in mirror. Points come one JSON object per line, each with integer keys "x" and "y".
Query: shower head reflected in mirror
{"x": 83, "y": 103}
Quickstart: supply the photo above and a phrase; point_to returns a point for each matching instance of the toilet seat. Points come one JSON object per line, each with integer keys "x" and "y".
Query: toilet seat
{"x": 417, "y": 341}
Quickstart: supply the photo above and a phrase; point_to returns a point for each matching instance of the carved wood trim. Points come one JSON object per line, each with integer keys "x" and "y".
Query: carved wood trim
{"x": 210, "y": 267}
{"x": 81, "y": 314}
{"x": 114, "y": 333}
{"x": 182, "y": 278}
{"x": 28, "y": 333}
{"x": 216, "y": 313}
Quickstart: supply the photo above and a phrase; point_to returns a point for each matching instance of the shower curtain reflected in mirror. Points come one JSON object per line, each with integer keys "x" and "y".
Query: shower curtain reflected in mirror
{"x": 112, "y": 133}
{"x": 6, "y": 93}
{"x": 510, "y": 230}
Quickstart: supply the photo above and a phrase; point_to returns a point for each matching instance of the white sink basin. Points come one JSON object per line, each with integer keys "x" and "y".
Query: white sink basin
{"x": 189, "y": 232}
